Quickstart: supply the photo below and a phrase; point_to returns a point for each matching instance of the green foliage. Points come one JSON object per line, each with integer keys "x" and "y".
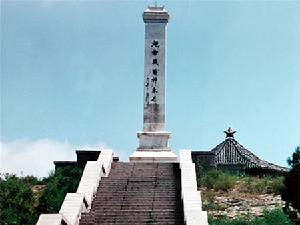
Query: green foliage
{"x": 216, "y": 179}
{"x": 291, "y": 191}
{"x": 32, "y": 180}
{"x": 237, "y": 221}
{"x": 224, "y": 181}
{"x": 276, "y": 185}
{"x": 295, "y": 159}
{"x": 16, "y": 202}
{"x": 61, "y": 182}
{"x": 276, "y": 217}
{"x": 262, "y": 185}
{"x": 272, "y": 217}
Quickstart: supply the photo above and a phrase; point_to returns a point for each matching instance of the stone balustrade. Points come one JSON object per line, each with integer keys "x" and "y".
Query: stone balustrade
{"x": 192, "y": 204}
{"x": 52, "y": 219}
{"x": 76, "y": 203}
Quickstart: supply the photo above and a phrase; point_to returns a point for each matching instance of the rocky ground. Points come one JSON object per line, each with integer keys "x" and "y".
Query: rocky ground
{"x": 237, "y": 202}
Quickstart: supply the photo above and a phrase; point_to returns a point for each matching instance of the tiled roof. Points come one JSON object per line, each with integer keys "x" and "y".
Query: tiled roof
{"x": 231, "y": 151}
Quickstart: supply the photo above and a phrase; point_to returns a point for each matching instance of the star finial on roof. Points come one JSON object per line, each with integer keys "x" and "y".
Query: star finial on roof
{"x": 229, "y": 133}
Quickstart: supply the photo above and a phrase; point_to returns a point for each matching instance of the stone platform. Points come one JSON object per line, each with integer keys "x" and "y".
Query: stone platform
{"x": 153, "y": 156}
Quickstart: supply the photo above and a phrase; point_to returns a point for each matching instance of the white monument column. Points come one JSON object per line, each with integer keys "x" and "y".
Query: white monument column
{"x": 154, "y": 140}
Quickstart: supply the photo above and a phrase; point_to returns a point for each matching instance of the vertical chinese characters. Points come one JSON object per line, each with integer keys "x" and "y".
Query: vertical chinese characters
{"x": 154, "y": 73}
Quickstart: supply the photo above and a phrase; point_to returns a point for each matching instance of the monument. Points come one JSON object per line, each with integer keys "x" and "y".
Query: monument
{"x": 154, "y": 139}
{"x": 162, "y": 191}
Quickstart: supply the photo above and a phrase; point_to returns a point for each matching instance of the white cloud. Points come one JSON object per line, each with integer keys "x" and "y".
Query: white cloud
{"x": 35, "y": 157}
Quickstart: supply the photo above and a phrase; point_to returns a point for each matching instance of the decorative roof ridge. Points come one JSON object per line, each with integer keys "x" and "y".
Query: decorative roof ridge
{"x": 286, "y": 169}
{"x": 215, "y": 149}
{"x": 247, "y": 154}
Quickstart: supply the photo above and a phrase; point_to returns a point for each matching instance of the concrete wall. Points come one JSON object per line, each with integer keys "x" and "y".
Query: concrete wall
{"x": 204, "y": 159}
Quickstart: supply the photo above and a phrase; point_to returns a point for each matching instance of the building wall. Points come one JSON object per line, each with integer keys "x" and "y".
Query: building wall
{"x": 82, "y": 157}
{"x": 204, "y": 159}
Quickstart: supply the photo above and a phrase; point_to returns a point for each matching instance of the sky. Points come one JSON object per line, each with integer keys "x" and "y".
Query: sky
{"x": 72, "y": 78}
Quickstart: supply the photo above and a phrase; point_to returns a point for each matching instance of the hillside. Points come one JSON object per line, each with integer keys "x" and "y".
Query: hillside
{"x": 234, "y": 199}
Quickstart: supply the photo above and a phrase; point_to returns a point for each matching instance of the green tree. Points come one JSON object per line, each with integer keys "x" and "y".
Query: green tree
{"x": 295, "y": 159}
{"x": 16, "y": 202}
{"x": 32, "y": 180}
{"x": 291, "y": 192}
{"x": 59, "y": 183}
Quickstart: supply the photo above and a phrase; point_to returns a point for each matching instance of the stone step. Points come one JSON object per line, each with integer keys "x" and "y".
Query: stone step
{"x": 138, "y": 193}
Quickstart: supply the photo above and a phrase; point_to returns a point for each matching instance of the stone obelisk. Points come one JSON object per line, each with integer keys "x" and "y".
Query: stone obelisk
{"x": 154, "y": 140}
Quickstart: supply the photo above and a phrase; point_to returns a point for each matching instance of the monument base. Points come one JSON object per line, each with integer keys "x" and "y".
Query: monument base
{"x": 154, "y": 141}
{"x": 153, "y": 156}
{"x": 153, "y": 147}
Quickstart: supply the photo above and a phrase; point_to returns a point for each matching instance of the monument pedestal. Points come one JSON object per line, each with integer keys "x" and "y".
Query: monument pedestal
{"x": 154, "y": 147}
{"x": 154, "y": 141}
{"x": 153, "y": 156}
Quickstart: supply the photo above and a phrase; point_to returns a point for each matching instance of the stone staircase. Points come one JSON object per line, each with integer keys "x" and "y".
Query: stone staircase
{"x": 138, "y": 193}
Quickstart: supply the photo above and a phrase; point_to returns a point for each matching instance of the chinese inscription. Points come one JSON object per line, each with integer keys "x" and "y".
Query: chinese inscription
{"x": 151, "y": 80}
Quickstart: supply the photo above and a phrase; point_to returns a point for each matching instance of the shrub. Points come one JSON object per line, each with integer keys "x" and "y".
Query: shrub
{"x": 32, "y": 180}
{"x": 262, "y": 185}
{"x": 16, "y": 202}
{"x": 275, "y": 217}
{"x": 276, "y": 184}
{"x": 209, "y": 179}
{"x": 63, "y": 181}
{"x": 224, "y": 182}
{"x": 217, "y": 180}
{"x": 272, "y": 217}
{"x": 254, "y": 185}
{"x": 236, "y": 221}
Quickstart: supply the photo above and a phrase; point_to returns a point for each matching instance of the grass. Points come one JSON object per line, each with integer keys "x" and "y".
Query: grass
{"x": 271, "y": 217}
{"x": 264, "y": 185}
{"x": 223, "y": 181}
{"x": 217, "y": 180}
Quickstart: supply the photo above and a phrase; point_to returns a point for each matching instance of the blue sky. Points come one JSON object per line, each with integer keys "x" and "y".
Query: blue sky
{"x": 72, "y": 74}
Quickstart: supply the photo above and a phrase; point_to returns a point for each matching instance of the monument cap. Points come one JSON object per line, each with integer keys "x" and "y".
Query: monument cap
{"x": 156, "y": 14}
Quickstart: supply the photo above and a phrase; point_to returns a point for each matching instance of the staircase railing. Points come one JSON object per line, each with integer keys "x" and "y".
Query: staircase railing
{"x": 191, "y": 197}
{"x": 76, "y": 203}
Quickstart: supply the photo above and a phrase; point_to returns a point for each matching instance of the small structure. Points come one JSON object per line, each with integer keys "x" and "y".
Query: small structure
{"x": 231, "y": 155}
{"x": 82, "y": 157}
